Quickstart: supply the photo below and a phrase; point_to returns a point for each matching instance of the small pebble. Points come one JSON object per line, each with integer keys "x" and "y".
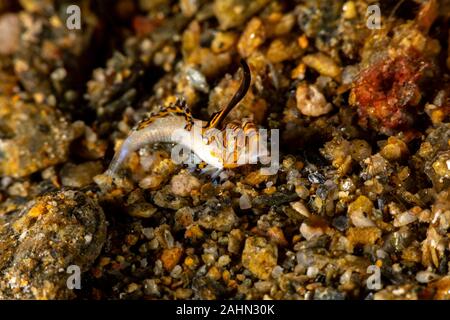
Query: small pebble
{"x": 245, "y": 202}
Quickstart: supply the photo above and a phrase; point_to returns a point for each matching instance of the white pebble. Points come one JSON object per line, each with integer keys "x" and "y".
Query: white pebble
{"x": 300, "y": 208}
{"x": 312, "y": 272}
{"x": 309, "y": 232}
{"x": 88, "y": 238}
{"x": 176, "y": 271}
{"x": 360, "y": 220}
{"x": 426, "y": 276}
{"x": 245, "y": 202}
{"x": 404, "y": 219}
{"x": 311, "y": 102}
{"x": 277, "y": 271}
{"x": 346, "y": 277}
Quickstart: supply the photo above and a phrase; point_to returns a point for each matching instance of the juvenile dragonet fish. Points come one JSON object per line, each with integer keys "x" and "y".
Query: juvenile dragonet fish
{"x": 235, "y": 144}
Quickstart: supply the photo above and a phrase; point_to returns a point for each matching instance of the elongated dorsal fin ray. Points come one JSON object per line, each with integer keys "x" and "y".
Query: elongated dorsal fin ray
{"x": 218, "y": 117}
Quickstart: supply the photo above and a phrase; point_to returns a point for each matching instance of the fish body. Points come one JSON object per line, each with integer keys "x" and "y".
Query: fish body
{"x": 238, "y": 143}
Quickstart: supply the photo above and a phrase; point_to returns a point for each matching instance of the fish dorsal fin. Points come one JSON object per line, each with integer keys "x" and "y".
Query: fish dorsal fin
{"x": 218, "y": 117}
{"x": 178, "y": 108}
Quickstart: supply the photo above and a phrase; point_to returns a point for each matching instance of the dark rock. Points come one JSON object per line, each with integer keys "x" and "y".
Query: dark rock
{"x": 48, "y": 235}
